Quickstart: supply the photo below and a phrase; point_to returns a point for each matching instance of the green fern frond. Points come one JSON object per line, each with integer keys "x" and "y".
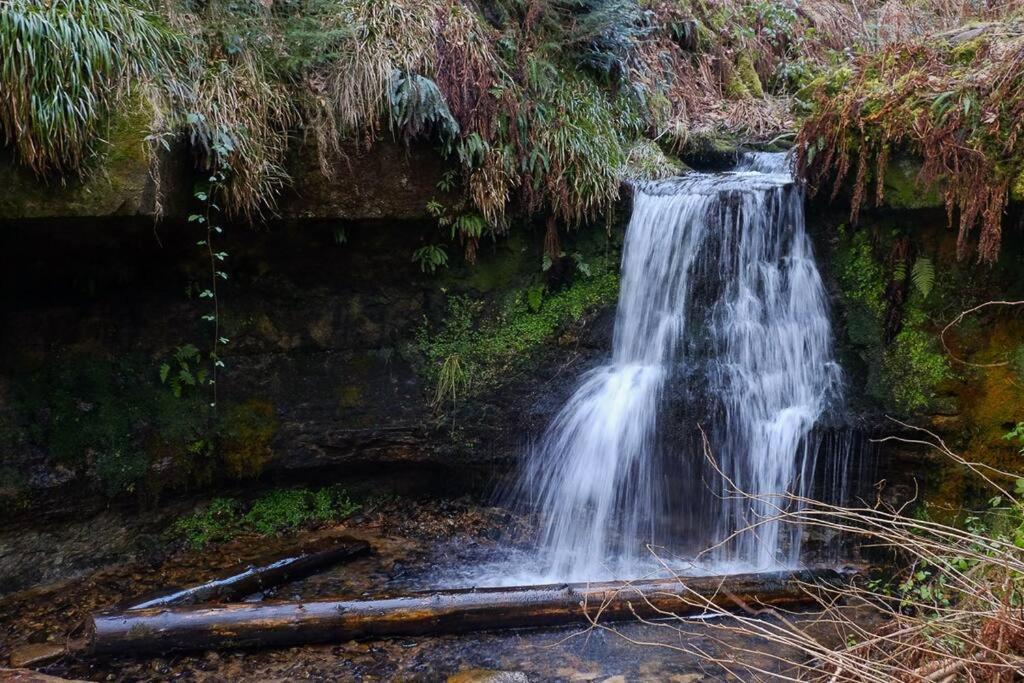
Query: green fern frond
{"x": 922, "y": 276}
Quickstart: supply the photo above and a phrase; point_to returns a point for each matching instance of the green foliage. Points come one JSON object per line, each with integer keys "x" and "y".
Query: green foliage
{"x": 66, "y": 64}
{"x": 452, "y": 381}
{"x": 935, "y": 584}
{"x": 923, "y": 275}
{"x": 431, "y": 258}
{"x": 539, "y": 103}
{"x": 861, "y": 276}
{"x": 904, "y": 372}
{"x": 216, "y": 523}
{"x": 275, "y": 512}
{"x": 1016, "y": 436}
{"x": 913, "y": 366}
{"x": 187, "y": 371}
{"x": 418, "y": 108}
{"x": 475, "y": 350}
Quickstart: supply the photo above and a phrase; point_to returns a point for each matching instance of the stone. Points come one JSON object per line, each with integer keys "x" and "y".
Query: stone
{"x": 902, "y": 190}
{"x": 35, "y": 654}
{"x": 488, "y": 676}
{"x": 387, "y": 181}
{"x": 125, "y": 181}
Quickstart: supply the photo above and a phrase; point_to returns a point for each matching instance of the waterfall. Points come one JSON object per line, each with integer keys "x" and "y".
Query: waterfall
{"x": 722, "y": 321}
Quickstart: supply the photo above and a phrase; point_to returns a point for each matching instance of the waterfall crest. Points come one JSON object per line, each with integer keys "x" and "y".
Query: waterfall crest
{"x": 721, "y": 308}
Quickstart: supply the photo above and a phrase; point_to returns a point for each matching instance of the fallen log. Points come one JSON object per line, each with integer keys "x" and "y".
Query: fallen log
{"x": 252, "y": 578}
{"x": 276, "y": 624}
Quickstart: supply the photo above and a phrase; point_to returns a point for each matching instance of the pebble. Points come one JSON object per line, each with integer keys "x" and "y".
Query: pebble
{"x": 488, "y": 676}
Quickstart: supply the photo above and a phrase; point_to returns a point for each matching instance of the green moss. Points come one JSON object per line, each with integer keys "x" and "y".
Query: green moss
{"x": 489, "y": 346}
{"x": 1017, "y": 188}
{"x": 902, "y": 190}
{"x": 913, "y": 367}
{"x": 275, "y": 512}
{"x": 115, "y": 184}
{"x": 81, "y": 409}
{"x": 901, "y": 374}
{"x": 747, "y": 75}
{"x": 861, "y": 275}
{"x": 248, "y": 430}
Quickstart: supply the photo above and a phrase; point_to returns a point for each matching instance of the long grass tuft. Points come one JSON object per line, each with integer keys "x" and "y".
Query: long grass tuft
{"x": 66, "y": 65}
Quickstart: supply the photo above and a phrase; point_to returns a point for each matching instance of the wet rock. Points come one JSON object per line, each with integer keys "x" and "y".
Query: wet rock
{"x": 488, "y": 676}
{"x": 35, "y": 654}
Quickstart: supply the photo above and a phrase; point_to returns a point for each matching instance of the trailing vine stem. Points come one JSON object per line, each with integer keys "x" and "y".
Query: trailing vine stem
{"x": 206, "y": 219}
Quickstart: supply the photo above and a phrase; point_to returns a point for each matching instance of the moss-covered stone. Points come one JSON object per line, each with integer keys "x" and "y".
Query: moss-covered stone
{"x": 248, "y": 432}
{"x": 118, "y": 182}
{"x": 902, "y": 189}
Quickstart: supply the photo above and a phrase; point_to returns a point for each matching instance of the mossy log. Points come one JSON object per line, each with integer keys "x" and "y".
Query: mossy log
{"x": 276, "y": 624}
{"x": 237, "y": 583}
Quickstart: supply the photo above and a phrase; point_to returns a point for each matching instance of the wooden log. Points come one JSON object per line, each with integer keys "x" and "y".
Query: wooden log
{"x": 237, "y": 583}
{"x": 276, "y": 624}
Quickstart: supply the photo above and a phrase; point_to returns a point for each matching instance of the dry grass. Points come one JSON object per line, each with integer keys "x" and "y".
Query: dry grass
{"x": 955, "y": 102}
{"x": 953, "y": 612}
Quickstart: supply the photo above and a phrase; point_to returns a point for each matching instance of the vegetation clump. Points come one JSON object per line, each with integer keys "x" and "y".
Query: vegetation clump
{"x": 275, "y": 512}
{"x": 475, "y": 349}
{"x": 954, "y": 100}
{"x": 888, "y": 325}
{"x": 544, "y": 106}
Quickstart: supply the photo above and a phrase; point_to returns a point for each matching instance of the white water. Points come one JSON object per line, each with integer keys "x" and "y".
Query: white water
{"x": 719, "y": 290}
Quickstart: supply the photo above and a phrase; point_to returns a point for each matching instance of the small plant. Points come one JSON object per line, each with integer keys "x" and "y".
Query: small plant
{"x": 452, "y": 381}
{"x": 204, "y": 194}
{"x": 274, "y": 512}
{"x": 1016, "y": 436}
{"x": 431, "y": 258}
{"x": 186, "y": 372}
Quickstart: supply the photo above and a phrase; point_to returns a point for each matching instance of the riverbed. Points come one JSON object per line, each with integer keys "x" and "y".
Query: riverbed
{"x": 417, "y": 543}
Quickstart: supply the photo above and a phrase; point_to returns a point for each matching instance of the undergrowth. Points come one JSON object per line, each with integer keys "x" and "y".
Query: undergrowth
{"x": 543, "y": 106}
{"x": 953, "y": 100}
{"x": 476, "y": 349}
{"x": 274, "y": 512}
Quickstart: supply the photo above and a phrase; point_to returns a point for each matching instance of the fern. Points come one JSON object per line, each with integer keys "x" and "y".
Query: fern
{"x": 418, "y": 108}
{"x": 922, "y": 276}
{"x": 430, "y": 258}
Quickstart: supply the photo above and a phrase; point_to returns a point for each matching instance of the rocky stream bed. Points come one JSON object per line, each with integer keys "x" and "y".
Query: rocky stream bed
{"x": 417, "y": 543}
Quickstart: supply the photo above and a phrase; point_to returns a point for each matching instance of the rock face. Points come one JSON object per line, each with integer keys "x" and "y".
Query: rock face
{"x": 323, "y": 372}
{"x": 388, "y": 181}
{"x": 129, "y": 179}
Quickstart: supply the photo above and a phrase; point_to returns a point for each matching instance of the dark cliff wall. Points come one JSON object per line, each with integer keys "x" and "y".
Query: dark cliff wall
{"x": 335, "y": 339}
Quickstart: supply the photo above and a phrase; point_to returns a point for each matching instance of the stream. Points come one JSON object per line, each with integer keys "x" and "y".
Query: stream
{"x": 722, "y": 330}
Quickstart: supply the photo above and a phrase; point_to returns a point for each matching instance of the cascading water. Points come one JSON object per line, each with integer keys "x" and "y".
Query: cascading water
{"x": 720, "y": 299}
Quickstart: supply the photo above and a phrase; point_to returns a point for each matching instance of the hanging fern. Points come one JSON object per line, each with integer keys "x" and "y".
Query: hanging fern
{"x": 922, "y": 275}
{"x": 418, "y": 108}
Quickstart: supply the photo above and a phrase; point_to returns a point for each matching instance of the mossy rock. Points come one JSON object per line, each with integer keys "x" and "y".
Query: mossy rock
{"x": 118, "y": 182}
{"x": 1017, "y": 188}
{"x": 249, "y": 429}
{"x": 902, "y": 190}
{"x": 744, "y": 82}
